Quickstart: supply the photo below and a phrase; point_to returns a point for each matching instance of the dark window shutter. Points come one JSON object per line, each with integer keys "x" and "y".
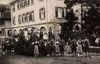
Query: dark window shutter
{"x": 56, "y": 12}
{"x": 63, "y": 12}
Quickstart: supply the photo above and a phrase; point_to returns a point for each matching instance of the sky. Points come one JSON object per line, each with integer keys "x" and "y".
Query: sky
{"x": 5, "y": 1}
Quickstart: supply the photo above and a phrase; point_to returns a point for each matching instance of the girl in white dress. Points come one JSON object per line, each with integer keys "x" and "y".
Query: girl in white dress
{"x": 79, "y": 48}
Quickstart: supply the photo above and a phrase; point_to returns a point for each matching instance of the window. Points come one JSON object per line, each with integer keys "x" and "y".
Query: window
{"x": 19, "y": 19}
{"x": 13, "y": 7}
{"x": 25, "y": 3}
{"x": 14, "y": 21}
{"x": 31, "y": 16}
{"x": 18, "y": 7}
{"x": 64, "y": 12}
{"x": 21, "y": 4}
{"x": 28, "y": 15}
{"x": 42, "y": 13}
{"x": 0, "y": 13}
{"x": 23, "y": 18}
{"x": 28, "y": 2}
{"x": 32, "y": 13}
{"x": 40, "y": 0}
{"x": 32, "y": 1}
{"x": 9, "y": 32}
{"x": 59, "y": 12}
{"x": 1, "y": 33}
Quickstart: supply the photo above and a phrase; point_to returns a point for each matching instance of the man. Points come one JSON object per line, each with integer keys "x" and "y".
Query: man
{"x": 62, "y": 46}
{"x": 86, "y": 45}
{"x": 74, "y": 46}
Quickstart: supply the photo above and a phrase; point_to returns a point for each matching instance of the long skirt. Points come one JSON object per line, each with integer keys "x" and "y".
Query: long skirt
{"x": 68, "y": 49}
{"x": 79, "y": 49}
{"x": 36, "y": 50}
{"x": 57, "y": 49}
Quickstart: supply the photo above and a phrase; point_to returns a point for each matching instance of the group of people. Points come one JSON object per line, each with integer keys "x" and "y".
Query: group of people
{"x": 78, "y": 47}
{"x": 46, "y": 46}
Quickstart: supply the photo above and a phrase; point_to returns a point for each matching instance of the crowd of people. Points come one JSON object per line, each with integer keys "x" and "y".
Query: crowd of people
{"x": 43, "y": 46}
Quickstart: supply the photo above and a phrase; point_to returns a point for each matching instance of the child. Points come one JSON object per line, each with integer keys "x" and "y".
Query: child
{"x": 79, "y": 48}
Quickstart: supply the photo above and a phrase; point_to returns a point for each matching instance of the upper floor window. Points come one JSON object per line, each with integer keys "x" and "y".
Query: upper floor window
{"x": 59, "y": 12}
{"x": 13, "y": 19}
{"x": 28, "y": 2}
{"x": 42, "y": 13}
{"x": 21, "y": 4}
{"x": 25, "y": 3}
{"x": 23, "y": 18}
{"x": 0, "y": 13}
{"x": 19, "y": 19}
{"x": 13, "y": 7}
{"x": 18, "y": 7}
{"x": 28, "y": 17}
{"x": 32, "y": 1}
{"x": 40, "y": 0}
{"x": 31, "y": 17}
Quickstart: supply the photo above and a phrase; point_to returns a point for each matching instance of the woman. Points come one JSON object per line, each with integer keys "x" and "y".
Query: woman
{"x": 36, "y": 48}
{"x": 48, "y": 48}
{"x": 62, "y": 46}
{"x": 57, "y": 47}
{"x": 79, "y": 48}
{"x": 69, "y": 48}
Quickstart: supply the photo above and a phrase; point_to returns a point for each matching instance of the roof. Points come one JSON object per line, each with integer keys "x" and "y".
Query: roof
{"x": 13, "y": 1}
{"x": 89, "y": 1}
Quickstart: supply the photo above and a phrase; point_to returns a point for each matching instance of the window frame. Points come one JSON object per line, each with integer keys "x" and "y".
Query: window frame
{"x": 19, "y": 19}
{"x": 28, "y": 14}
{"x": 41, "y": 0}
{"x": 56, "y": 12}
{"x": 13, "y": 7}
{"x": 32, "y": 2}
{"x": 28, "y": 2}
{"x": 13, "y": 19}
{"x": 31, "y": 16}
{"x": 40, "y": 13}
{"x": 23, "y": 18}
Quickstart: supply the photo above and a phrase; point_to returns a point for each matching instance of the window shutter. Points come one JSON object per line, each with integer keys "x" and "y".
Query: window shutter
{"x": 56, "y": 12}
{"x": 62, "y": 12}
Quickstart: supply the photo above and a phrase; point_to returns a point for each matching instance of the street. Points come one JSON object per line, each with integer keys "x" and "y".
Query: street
{"x": 21, "y": 59}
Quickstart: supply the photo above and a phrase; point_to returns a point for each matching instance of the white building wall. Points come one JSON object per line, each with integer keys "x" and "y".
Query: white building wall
{"x": 49, "y": 6}
{"x": 7, "y": 27}
{"x": 35, "y": 7}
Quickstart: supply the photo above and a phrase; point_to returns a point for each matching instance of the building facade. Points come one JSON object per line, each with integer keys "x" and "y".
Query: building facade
{"x": 5, "y": 23}
{"x": 38, "y": 13}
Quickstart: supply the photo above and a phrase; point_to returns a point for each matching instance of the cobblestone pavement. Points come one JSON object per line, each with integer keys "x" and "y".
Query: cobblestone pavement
{"x": 20, "y": 59}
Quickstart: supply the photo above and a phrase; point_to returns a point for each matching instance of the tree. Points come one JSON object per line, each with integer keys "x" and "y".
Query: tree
{"x": 91, "y": 18}
{"x": 67, "y": 27}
